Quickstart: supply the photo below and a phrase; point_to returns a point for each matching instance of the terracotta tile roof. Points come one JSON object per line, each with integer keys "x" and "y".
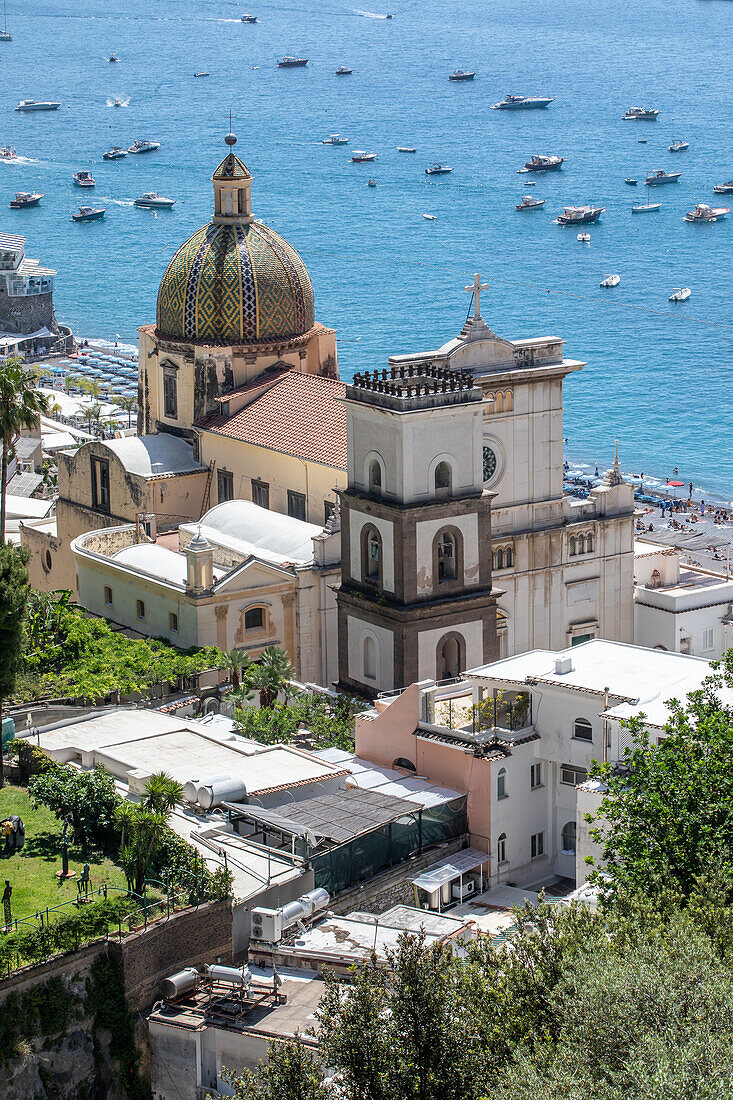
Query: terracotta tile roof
{"x": 297, "y": 414}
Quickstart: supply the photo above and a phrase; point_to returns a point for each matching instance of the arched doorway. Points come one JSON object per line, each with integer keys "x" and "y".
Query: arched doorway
{"x": 450, "y": 657}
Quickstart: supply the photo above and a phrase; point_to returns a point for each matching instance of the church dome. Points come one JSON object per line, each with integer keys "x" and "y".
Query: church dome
{"x": 235, "y": 281}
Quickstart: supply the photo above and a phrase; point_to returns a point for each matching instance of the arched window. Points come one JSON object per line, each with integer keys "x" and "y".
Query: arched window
{"x": 571, "y": 546}
{"x": 501, "y": 849}
{"x": 508, "y": 560}
{"x": 490, "y": 402}
{"x": 582, "y": 730}
{"x": 375, "y": 476}
{"x": 501, "y": 784}
{"x": 499, "y": 406}
{"x": 450, "y": 656}
{"x": 443, "y": 479}
{"x": 508, "y": 401}
{"x": 370, "y": 658}
{"x": 446, "y": 557}
{"x": 499, "y": 558}
{"x": 371, "y": 554}
{"x": 569, "y": 837}
{"x": 406, "y": 765}
{"x": 589, "y": 544}
{"x": 581, "y": 544}
{"x": 254, "y": 618}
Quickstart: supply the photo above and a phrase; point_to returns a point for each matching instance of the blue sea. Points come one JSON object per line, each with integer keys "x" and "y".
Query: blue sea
{"x": 389, "y": 280}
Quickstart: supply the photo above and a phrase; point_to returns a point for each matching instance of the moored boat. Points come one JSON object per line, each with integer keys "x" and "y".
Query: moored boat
{"x": 84, "y": 179}
{"x": 24, "y": 199}
{"x": 371, "y": 183}
{"x": 724, "y": 188}
{"x": 678, "y": 146}
{"x": 34, "y": 105}
{"x": 584, "y": 237}
{"x": 610, "y": 280}
{"x": 89, "y": 214}
{"x": 140, "y": 146}
{"x": 646, "y": 207}
{"x": 661, "y": 176}
{"x": 202, "y": 73}
{"x": 680, "y": 294}
{"x": 292, "y": 63}
{"x": 631, "y": 182}
{"x": 113, "y": 57}
{"x": 360, "y": 156}
{"x": 115, "y": 153}
{"x": 543, "y": 164}
{"x": 461, "y": 74}
{"x": 438, "y": 170}
{"x": 521, "y": 103}
{"x": 529, "y": 203}
{"x": 153, "y": 200}
{"x": 343, "y": 71}
{"x": 580, "y": 215}
{"x": 704, "y": 213}
{"x": 406, "y": 149}
{"x": 646, "y": 114}
{"x": 5, "y": 35}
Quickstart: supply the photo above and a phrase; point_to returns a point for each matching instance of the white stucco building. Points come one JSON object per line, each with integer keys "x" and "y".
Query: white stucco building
{"x": 242, "y": 578}
{"x": 682, "y": 609}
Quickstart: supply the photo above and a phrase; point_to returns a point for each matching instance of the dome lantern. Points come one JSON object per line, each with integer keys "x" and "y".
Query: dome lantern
{"x": 232, "y": 189}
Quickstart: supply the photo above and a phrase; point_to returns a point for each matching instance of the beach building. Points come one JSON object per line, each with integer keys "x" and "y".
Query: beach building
{"x": 242, "y": 578}
{"x": 519, "y": 736}
{"x": 27, "y": 320}
{"x": 680, "y": 608}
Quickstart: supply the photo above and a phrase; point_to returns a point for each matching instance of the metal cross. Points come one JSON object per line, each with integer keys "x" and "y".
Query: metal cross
{"x": 475, "y": 288}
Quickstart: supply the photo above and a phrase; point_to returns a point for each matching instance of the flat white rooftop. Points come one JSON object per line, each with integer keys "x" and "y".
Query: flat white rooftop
{"x": 639, "y": 680}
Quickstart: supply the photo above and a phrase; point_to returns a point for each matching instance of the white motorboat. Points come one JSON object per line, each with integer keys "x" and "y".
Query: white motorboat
{"x": 584, "y": 237}
{"x": 115, "y": 153}
{"x": 248, "y": 18}
{"x": 429, "y": 217}
{"x": 521, "y": 103}
{"x": 681, "y": 294}
{"x": 720, "y": 188}
{"x": 529, "y": 203}
{"x": 678, "y": 146}
{"x": 647, "y": 114}
{"x": 438, "y": 170}
{"x": 335, "y": 139}
{"x": 543, "y": 164}
{"x": 153, "y": 200}
{"x": 406, "y": 149}
{"x": 34, "y": 105}
{"x": 8, "y": 153}
{"x": 139, "y": 146}
{"x": 24, "y": 199}
{"x": 84, "y": 179}
{"x": 660, "y": 176}
{"x": 578, "y": 215}
{"x": 703, "y": 213}
{"x": 362, "y": 157}
{"x": 610, "y": 280}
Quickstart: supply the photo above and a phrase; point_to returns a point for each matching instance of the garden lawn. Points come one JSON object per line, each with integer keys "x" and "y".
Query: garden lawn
{"x": 32, "y": 871}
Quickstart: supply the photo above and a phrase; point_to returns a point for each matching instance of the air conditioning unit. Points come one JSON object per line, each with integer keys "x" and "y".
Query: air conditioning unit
{"x": 267, "y": 925}
{"x": 461, "y": 891}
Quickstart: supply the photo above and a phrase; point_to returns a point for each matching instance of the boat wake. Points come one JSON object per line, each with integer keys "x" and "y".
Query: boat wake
{"x": 17, "y": 160}
{"x": 369, "y": 14}
{"x": 118, "y": 202}
{"x": 111, "y": 102}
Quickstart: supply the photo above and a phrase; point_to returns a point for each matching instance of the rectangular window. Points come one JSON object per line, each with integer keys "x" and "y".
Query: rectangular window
{"x": 573, "y": 776}
{"x": 100, "y": 484}
{"x": 140, "y": 609}
{"x": 580, "y": 638}
{"x": 254, "y": 619}
{"x": 225, "y": 485}
{"x": 170, "y": 395}
{"x": 708, "y": 638}
{"x": 108, "y": 595}
{"x": 296, "y": 504}
{"x": 535, "y": 776}
{"x": 537, "y": 845}
{"x": 260, "y": 493}
{"x": 172, "y": 622}
{"x": 328, "y": 509}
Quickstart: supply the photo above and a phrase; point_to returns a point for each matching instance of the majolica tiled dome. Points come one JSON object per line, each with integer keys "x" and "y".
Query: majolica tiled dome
{"x": 235, "y": 281}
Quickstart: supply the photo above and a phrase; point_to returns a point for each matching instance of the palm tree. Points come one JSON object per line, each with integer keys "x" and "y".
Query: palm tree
{"x": 147, "y": 832}
{"x": 127, "y": 404}
{"x": 161, "y": 794}
{"x": 124, "y": 820}
{"x": 234, "y": 661}
{"x": 93, "y": 412}
{"x": 20, "y": 407}
{"x": 270, "y": 675}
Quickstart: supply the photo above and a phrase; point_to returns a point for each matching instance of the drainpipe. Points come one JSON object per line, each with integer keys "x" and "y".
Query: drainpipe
{"x": 605, "y": 727}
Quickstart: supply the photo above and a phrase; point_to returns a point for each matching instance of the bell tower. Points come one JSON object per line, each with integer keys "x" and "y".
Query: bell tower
{"x": 232, "y": 189}
{"x": 416, "y": 598}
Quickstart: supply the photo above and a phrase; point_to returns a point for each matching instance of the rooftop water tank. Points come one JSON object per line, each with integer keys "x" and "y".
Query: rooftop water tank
{"x": 177, "y": 985}
{"x": 230, "y": 975}
{"x": 191, "y": 789}
{"x": 222, "y": 790}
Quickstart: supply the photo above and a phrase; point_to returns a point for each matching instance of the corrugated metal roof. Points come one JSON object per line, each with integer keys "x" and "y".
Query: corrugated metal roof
{"x": 445, "y": 870}
{"x": 347, "y": 814}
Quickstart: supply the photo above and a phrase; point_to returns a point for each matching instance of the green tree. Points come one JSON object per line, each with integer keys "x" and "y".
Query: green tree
{"x": 147, "y": 833}
{"x": 21, "y": 404}
{"x": 162, "y": 792}
{"x": 292, "y": 1072}
{"x": 667, "y": 812}
{"x": 13, "y": 596}
{"x": 89, "y": 798}
{"x": 234, "y": 661}
{"x": 270, "y": 675}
